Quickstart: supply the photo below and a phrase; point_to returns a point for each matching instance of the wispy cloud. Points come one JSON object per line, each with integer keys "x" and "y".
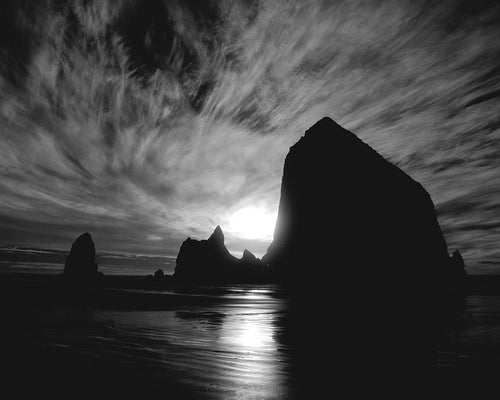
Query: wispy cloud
{"x": 161, "y": 119}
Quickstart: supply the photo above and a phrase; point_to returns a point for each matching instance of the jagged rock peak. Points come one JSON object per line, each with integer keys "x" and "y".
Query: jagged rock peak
{"x": 210, "y": 261}
{"x": 248, "y": 255}
{"x": 217, "y": 235}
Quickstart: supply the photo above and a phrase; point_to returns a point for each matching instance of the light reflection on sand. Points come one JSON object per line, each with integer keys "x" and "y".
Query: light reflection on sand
{"x": 224, "y": 350}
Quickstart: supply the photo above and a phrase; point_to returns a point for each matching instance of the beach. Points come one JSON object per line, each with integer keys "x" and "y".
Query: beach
{"x": 209, "y": 342}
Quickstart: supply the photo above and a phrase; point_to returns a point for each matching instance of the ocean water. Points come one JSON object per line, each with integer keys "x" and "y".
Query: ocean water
{"x": 213, "y": 343}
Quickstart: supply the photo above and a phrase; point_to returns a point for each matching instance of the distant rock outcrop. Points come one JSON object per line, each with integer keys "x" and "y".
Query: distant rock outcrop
{"x": 248, "y": 259}
{"x": 80, "y": 262}
{"x": 210, "y": 261}
{"x": 159, "y": 274}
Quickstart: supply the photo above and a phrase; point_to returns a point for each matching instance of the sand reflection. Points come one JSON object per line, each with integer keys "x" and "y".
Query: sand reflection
{"x": 249, "y": 332}
{"x": 243, "y": 358}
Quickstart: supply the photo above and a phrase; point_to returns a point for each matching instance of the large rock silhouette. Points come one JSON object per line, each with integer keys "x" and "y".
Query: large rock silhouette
{"x": 346, "y": 211}
{"x": 358, "y": 242}
{"x": 209, "y": 261}
{"x": 80, "y": 263}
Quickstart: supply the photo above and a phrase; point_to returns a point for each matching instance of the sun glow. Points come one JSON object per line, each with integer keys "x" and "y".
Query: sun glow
{"x": 252, "y": 223}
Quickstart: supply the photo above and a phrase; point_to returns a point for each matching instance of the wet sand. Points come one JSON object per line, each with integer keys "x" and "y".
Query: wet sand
{"x": 210, "y": 343}
{"x": 229, "y": 342}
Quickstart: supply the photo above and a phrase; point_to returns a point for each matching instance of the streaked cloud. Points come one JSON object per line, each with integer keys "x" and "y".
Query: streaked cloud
{"x": 146, "y": 122}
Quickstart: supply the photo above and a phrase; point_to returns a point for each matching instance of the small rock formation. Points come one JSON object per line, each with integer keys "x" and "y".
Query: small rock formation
{"x": 457, "y": 262}
{"x": 159, "y": 274}
{"x": 248, "y": 259}
{"x": 209, "y": 261}
{"x": 80, "y": 263}
{"x": 456, "y": 270}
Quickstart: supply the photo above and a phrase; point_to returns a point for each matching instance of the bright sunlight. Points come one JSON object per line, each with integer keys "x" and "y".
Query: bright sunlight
{"x": 252, "y": 223}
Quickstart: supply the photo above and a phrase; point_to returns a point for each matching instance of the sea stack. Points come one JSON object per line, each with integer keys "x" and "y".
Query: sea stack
{"x": 159, "y": 274}
{"x": 209, "y": 261}
{"x": 345, "y": 211}
{"x": 80, "y": 263}
{"x": 358, "y": 244}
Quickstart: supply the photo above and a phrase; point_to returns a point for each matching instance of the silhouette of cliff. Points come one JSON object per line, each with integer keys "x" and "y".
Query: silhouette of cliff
{"x": 80, "y": 262}
{"x": 358, "y": 242}
{"x": 210, "y": 261}
{"x": 349, "y": 211}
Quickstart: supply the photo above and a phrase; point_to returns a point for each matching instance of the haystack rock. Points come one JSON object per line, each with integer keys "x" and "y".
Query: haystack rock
{"x": 210, "y": 261}
{"x": 347, "y": 212}
{"x": 358, "y": 242}
{"x": 80, "y": 262}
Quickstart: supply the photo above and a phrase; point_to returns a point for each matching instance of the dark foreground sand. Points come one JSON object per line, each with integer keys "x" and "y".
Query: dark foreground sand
{"x": 231, "y": 342}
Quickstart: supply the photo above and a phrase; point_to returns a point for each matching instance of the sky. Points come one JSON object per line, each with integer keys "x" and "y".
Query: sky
{"x": 146, "y": 122}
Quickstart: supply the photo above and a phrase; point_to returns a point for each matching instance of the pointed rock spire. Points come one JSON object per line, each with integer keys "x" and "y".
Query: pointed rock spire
{"x": 248, "y": 255}
{"x": 217, "y": 236}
